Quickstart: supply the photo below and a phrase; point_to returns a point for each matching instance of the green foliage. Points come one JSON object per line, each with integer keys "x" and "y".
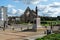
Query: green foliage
{"x": 48, "y": 23}
{"x": 58, "y": 31}
{"x": 17, "y": 22}
{"x": 50, "y": 37}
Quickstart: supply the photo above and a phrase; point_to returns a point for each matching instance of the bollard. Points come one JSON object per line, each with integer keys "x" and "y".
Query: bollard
{"x": 21, "y": 28}
{"x": 27, "y": 28}
{"x": 48, "y": 32}
{"x": 12, "y": 28}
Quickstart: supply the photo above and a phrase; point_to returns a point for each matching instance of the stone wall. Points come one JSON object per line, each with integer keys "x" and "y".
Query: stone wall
{"x": 54, "y": 28}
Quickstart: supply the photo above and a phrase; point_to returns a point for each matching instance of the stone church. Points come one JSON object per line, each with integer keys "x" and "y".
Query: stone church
{"x": 28, "y": 16}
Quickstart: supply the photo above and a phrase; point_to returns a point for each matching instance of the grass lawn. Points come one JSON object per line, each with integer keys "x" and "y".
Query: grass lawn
{"x": 50, "y": 37}
{"x": 49, "y": 23}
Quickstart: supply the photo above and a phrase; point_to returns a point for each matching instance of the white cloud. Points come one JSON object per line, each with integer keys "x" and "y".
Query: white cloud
{"x": 17, "y": 11}
{"x": 45, "y": 0}
{"x": 20, "y": 11}
{"x": 10, "y": 15}
{"x": 35, "y": 1}
{"x": 31, "y": 1}
{"x": 50, "y": 9}
{"x": 55, "y": 4}
{"x": 10, "y": 6}
{"x": 16, "y": 1}
{"x": 41, "y": 7}
{"x": 14, "y": 11}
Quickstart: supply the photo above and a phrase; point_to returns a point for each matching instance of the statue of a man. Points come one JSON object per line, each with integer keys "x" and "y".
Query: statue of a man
{"x": 36, "y": 12}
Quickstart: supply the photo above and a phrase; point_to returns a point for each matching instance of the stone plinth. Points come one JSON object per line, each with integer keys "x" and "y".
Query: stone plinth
{"x": 37, "y": 25}
{"x": 38, "y": 22}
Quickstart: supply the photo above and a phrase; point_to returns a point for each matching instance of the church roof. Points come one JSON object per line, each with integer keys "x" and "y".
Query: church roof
{"x": 27, "y": 9}
{"x": 32, "y": 12}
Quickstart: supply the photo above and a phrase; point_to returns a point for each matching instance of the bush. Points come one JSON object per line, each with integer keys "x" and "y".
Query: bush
{"x": 17, "y": 22}
{"x": 50, "y": 37}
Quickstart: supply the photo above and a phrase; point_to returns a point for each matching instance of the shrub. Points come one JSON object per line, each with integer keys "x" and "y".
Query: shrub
{"x": 50, "y": 37}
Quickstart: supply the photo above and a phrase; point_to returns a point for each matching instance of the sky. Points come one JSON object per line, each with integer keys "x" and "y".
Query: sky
{"x": 45, "y": 7}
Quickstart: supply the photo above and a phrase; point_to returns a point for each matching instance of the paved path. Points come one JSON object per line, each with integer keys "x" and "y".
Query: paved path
{"x": 15, "y": 35}
{"x": 34, "y": 37}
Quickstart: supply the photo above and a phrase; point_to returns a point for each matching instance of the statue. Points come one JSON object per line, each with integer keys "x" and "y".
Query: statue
{"x": 36, "y": 12}
{"x": 37, "y": 21}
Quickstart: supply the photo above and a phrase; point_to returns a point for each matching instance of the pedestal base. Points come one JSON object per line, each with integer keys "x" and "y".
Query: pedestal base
{"x": 38, "y": 28}
{"x": 41, "y": 29}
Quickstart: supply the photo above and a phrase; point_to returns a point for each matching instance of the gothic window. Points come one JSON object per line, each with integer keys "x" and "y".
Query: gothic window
{"x": 28, "y": 13}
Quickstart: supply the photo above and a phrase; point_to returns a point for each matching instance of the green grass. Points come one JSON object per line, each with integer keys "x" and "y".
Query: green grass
{"x": 49, "y": 23}
{"x": 43, "y": 24}
{"x": 50, "y": 37}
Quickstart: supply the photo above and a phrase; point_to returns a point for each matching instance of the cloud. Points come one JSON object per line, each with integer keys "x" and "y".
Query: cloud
{"x": 31, "y": 1}
{"x": 11, "y": 15}
{"x": 52, "y": 9}
{"x": 55, "y": 4}
{"x": 45, "y": 0}
{"x": 14, "y": 11}
{"x": 10, "y": 6}
{"x": 17, "y": 1}
{"x": 17, "y": 11}
{"x": 35, "y": 1}
{"x": 20, "y": 11}
{"x": 11, "y": 10}
{"x": 41, "y": 7}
